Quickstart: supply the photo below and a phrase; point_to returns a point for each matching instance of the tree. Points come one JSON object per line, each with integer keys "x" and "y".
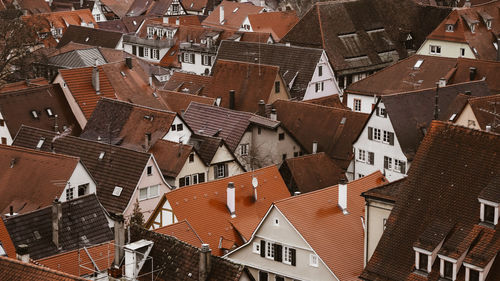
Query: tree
{"x": 137, "y": 215}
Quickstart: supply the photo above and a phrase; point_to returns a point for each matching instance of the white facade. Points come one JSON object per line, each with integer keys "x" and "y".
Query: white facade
{"x": 179, "y": 132}
{"x": 360, "y": 103}
{"x": 145, "y": 52}
{"x": 377, "y": 213}
{"x": 447, "y": 49}
{"x": 191, "y": 172}
{"x": 5, "y": 137}
{"x": 323, "y": 82}
{"x": 79, "y": 184}
{"x": 226, "y": 161}
{"x": 199, "y": 63}
{"x": 379, "y": 153}
{"x": 97, "y": 12}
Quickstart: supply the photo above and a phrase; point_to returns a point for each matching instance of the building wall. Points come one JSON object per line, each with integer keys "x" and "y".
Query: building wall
{"x": 284, "y": 234}
{"x": 148, "y": 205}
{"x": 330, "y": 86}
{"x": 377, "y": 213}
{"x": 197, "y": 67}
{"x": 79, "y": 177}
{"x": 195, "y": 167}
{"x": 283, "y": 93}
{"x": 127, "y": 47}
{"x": 467, "y": 118}
{"x": 4, "y": 132}
{"x": 177, "y": 136}
{"x": 367, "y": 102}
{"x": 448, "y": 49}
{"x": 97, "y": 12}
{"x": 164, "y": 217}
{"x": 75, "y": 108}
{"x": 379, "y": 149}
{"x": 223, "y": 155}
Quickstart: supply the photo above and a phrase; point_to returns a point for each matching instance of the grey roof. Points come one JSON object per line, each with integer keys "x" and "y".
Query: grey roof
{"x": 78, "y": 58}
{"x": 83, "y": 223}
{"x": 297, "y": 64}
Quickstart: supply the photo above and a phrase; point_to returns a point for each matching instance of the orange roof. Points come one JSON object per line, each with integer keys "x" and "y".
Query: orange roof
{"x": 13, "y": 269}
{"x": 79, "y": 81}
{"x": 24, "y": 84}
{"x": 335, "y": 237}
{"x": 204, "y": 206}
{"x": 77, "y": 262}
{"x": 182, "y": 231}
{"x": 179, "y": 102}
{"x": 234, "y": 14}
{"x": 62, "y": 19}
{"x": 6, "y": 242}
{"x": 276, "y": 23}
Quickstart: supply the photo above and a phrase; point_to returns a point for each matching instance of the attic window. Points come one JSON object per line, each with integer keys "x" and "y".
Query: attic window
{"x": 101, "y": 155}
{"x": 40, "y": 143}
{"x": 449, "y": 28}
{"x": 217, "y": 101}
{"x": 448, "y": 269}
{"x": 49, "y": 112}
{"x": 34, "y": 114}
{"x": 421, "y": 261}
{"x": 117, "y": 191}
{"x": 236, "y": 9}
{"x": 418, "y": 64}
{"x": 2, "y": 250}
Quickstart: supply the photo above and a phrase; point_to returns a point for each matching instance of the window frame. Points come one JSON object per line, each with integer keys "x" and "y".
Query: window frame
{"x": 435, "y": 49}
{"x": 277, "y": 87}
{"x": 149, "y": 194}
{"x": 313, "y": 260}
{"x": 356, "y": 105}
{"x": 221, "y": 170}
{"x": 269, "y": 250}
{"x": 320, "y": 70}
{"x": 244, "y": 149}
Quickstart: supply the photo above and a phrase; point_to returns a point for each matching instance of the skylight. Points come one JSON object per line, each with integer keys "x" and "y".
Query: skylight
{"x": 34, "y": 114}
{"x": 49, "y": 112}
{"x": 343, "y": 120}
{"x": 87, "y": 39}
{"x": 117, "y": 191}
{"x": 236, "y": 9}
{"x": 453, "y": 117}
{"x": 37, "y": 235}
{"x": 418, "y": 64}
{"x": 40, "y": 143}
{"x": 101, "y": 155}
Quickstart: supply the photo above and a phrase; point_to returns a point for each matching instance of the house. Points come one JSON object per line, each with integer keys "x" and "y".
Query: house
{"x": 124, "y": 177}
{"x": 249, "y": 84}
{"x": 312, "y": 236}
{"x": 480, "y": 113}
{"x": 391, "y": 136}
{"x": 60, "y": 176}
{"x": 468, "y": 32}
{"x": 419, "y": 72}
{"x": 124, "y": 80}
{"x": 126, "y": 25}
{"x": 231, "y": 15}
{"x": 306, "y": 71}
{"x": 7, "y": 248}
{"x": 225, "y": 212}
{"x": 12, "y": 269}
{"x": 43, "y": 107}
{"x": 160, "y": 8}
{"x": 329, "y": 101}
{"x": 444, "y": 224}
{"x": 133, "y": 126}
{"x": 199, "y": 7}
{"x": 255, "y": 140}
{"x": 310, "y": 172}
{"x": 362, "y": 37}
{"x": 183, "y": 231}
{"x": 187, "y": 83}
{"x": 330, "y": 130}
{"x": 276, "y": 23}
{"x": 92, "y": 36}
{"x": 60, "y": 227}
{"x": 118, "y": 8}
{"x": 186, "y": 262}
{"x": 379, "y": 202}
{"x": 179, "y": 102}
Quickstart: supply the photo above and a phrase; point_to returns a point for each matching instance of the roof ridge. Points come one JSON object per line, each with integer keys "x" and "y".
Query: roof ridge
{"x": 43, "y": 268}
{"x": 318, "y": 105}
{"x": 39, "y": 152}
{"x": 132, "y": 105}
{"x": 433, "y": 88}
{"x": 273, "y": 45}
{"x": 36, "y": 87}
{"x": 491, "y": 97}
{"x": 251, "y": 63}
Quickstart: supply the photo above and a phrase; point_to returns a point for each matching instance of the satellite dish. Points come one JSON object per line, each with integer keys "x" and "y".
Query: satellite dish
{"x": 255, "y": 182}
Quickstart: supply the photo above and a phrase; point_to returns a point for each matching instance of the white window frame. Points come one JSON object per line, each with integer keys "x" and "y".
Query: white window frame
{"x": 313, "y": 260}
{"x": 435, "y": 49}
{"x": 491, "y": 204}
{"x": 389, "y": 161}
{"x": 244, "y": 149}
{"x": 287, "y": 255}
{"x": 70, "y": 193}
{"x": 149, "y": 193}
{"x": 156, "y": 54}
{"x": 361, "y": 155}
{"x": 356, "y": 106}
{"x": 385, "y": 136}
{"x": 382, "y": 113}
{"x": 377, "y": 134}
{"x": 269, "y": 250}
{"x": 221, "y": 171}
{"x": 256, "y": 248}
{"x": 195, "y": 179}
{"x": 146, "y": 52}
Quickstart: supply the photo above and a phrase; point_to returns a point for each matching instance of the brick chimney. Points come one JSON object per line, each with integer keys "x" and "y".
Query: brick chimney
{"x": 472, "y": 73}
{"x": 119, "y": 239}
{"x": 262, "y": 108}
{"x": 231, "y": 194}
{"x": 95, "y": 79}
{"x": 232, "y": 96}
{"x": 56, "y": 221}
{"x": 205, "y": 263}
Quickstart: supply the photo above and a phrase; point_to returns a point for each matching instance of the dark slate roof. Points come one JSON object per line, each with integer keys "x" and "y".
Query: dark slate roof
{"x": 84, "y": 223}
{"x": 228, "y": 124}
{"x": 12, "y": 270}
{"x": 411, "y": 112}
{"x": 440, "y": 197}
{"x": 119, "y": 167}
{"x": 90, "y": 36}
{"x": 178, "y": 261}
{"x": 491, "y": 192}
{"x": 78, "y": 58}
{"x": 296, "y": 64}
{"x": 388, "y": 192}
{"x": 16, "y": 107}
{"x": 358, "y": 34}
{"x": 170, "y": 156}
{"x": 126, "y": 124}
{"x": 206, "y": 146}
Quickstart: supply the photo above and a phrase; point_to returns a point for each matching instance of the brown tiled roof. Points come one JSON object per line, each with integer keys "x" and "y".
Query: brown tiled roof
{"x": 336, "y": 238}
{"x": 90, "y": 36}
{"x": 126, "y": 124}
{"x": 234, "y": 14}
{"x": 199, "y": 5}
{"x": 481, "y": 39}
{"x": 357, "y": 34}
{"x": 84, "y": 223}
{"x": 207, "y": 146}
{"x": 251, "y": 82}
{"x": 310, "y": 122}
{"x": 170, "y": 156}
{"x": 160, "y": 7}
{"x": 412, "y": 112}
{"x": 277, "y": 23}
{"x": 119, "y": 7}
{"x": 194, "y": 84}
{"x": 204, "y": 206}
{"x": 296, "y": 64}
{"x": 5, "y": 241}
{"x": 310, "y": 172}
{"x": 491, "y": 192}
{"x": 17, "y": 107}
{"x": 176, "y": 260}
{"x": 62, "y": 19}
{"x": 119, "y": 167}
{"x": 78, "y": 262}
{"x": 12, "y": 269}
{"x": 22, "y": 85}
{"x": 455, "y": 107}
{"x": 48, "y": 175}
{"x": 452, "y": 166}
{"x": 179, "y": 102}
{"x": 34, "y": 6}
{"x": 330, "y": 101}
{"x": 387, "y": 192}
{"x": 182, "y": 231}
{"x": 485, "y": 110}
{"x": 228, "y": 124}
{"x": 484, "y": 69}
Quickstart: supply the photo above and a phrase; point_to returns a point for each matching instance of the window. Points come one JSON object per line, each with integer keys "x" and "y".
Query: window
{"x": 448, "y": 270}
{"x": 244, "y": 149}
{"x": 187, "y": 180}
{"x": 435, "y": 50}
{"x": 489, "y": 214}
{"x": 400, "y": 166}
{"x": 281, "y": 136}
{"x": 380, "y": 111}
{"x": 279, "y": 278}
{"x": 376, "y": 134}
{"x": 146, "y": 52}
{"x": 149, "y": 170}
{"x": 206, "y": 60}
{"x": 387, "y": 163}
{"x": 2, "y": 122}
{"x": 319, "y": 87}
{"x": 287, "y": 255}
{"x": 148, "y": 192}
{"x": 141, "y": 51}
{"x": 40, "y": 143}
{"x": 69, "y": 193}
{"x": 449, "y": 28}
{"x": 195, "y": 178}
{"x": 259, "y": 131}
{"x": 117, "y": 191}
{"x": 357, "y": 105}
{"x": 49, "y": 111}
{"x": 173, "y": 127}
{"x": 276, "y": 221}
{"x": 4, "y": 140}
{"x": 179, "y": 127}
{"x": 263, "y": 276}
{"x": 191, "y": 158}
{"x": 134, "y": 50}
{"x": 269, "y": 250}
{"x": 422, "y": 261}
{"x": 256, "y": 248}
{"x": 34, "y": 114}
{"x": 97, "y": 17}
{"x": 462, "y": 52}
{"x": 220, "y": 171}
{"x": 371, "y": 158}
{"x": 283, "y": 157}
{"x": 471, "y": 123}
{"x": 388, "y": 138}
{"x": 320, "y": 70}
{"x": 361, "y": 155}
{"x": 473, "y": 275}
{"x": 156, "y": 54}
{"x": 277, "y": 87}
{"x": 361, "y": 176}
{"x": 83, "y": 189}
{"x": 313, "y": 260}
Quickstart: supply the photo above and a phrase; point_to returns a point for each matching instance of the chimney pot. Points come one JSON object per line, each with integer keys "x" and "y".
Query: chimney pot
{"x": 488, "y": 128}
{"x": 11, "y": 210}
{"x": 274, "y": 115}
{"x": 231, "y": 204}
{"x": 472, "y": 73}
{"x": 442, "y": 82}
{"x": 128, "y": 62}
{"x": 232, "y": 96}
{"x": 262, "y": 108}
{"x": 205, "y": 263}
{"x": 315, "y": 147}
{"x": 342, "y": 200}
{"x": 22, "y": 253}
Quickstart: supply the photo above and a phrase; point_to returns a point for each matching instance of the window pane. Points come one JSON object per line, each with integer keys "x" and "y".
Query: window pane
{"x": 143, "y": 193}
{"x": 489, "y": 214}
{"x": 153, "y": 191}
{"x": 423, "y": 262}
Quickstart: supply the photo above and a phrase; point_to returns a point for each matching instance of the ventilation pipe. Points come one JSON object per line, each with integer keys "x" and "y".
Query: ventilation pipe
{"x": 274, "y": 115}
{"x": 128, "y": 62}
{"x": 315, "y": 147}
{"x": 95, "y": 79}
{"x": 22, "y": 253}
{"x": 205, "y": 263}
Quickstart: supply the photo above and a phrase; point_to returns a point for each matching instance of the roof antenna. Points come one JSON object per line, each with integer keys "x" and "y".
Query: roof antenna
{"x": 436, "y": 102}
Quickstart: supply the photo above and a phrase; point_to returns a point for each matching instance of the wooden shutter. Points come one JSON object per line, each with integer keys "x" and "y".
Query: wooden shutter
{"x": 386, "y": 162}
{"x": 226, "y": 171}
{"x": 182, "y": 182}
{"x": 371, "y": 157}
{"x": 403, "y": 167}
{"x": 263, "y": 276}
{"x": 293, "y": 254}
{"x": 391, "y": 138}
{"x": 262, "y": 248}
{"x": 370, "y": 133}
{"x": 278, "y": 252}
{"x": 192, "y": 58}
{"x": 377, "y": 111}
{"x": 215, "y": 171}
{"x": 201, "y": 177}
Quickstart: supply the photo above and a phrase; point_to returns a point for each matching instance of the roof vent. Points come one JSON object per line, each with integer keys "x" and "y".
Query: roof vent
{"x": 117, "y": 191}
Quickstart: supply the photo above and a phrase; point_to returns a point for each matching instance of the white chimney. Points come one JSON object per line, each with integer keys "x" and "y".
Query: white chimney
{"x": 343, "y": 196}
{"x": 119, "y": 239}
{"x": 231, "y": 194}
{"x": 95, "y": 80}
{"x": 56, "y": 221}
{"x": 315, "y": 147}
{"x": 442, "y": 82}
{"x": 22, "y": 253}
{"x": 221, "y": 14}
{"x": 274, "y": 115}
{"x": 488, "y": 128}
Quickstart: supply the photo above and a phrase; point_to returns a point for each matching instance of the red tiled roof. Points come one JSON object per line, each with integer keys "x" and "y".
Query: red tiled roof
{"x": 12, "y": 269}
{"x": 6, "y": 242}
{"x": 276, "y": 23}
{"x": 182, "y": 231}
{"x": 484, "y": 109}
{"x": 78, "y": 262}
{"x": 484, "y": 69}
{"x": 194, "y": 84}
{"x": 335, "y": 237}
{"x": 234, "y": 14}
{"x": 179, "y": 102}
{"x": 204, "y": 205}
{"x": 119, "y": 7}
{"x": 23, "y": 85}
{"x": 170, "y": 156}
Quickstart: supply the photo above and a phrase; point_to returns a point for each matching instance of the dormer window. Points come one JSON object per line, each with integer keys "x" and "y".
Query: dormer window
{"x": 473, "y": 274}
{"x": 489, "y": 212}
{"x": 488, "y": 24}
{"x": 449, "y": 28}
{"x": 423, "y": 261}
{"x": 448, "y": 269}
